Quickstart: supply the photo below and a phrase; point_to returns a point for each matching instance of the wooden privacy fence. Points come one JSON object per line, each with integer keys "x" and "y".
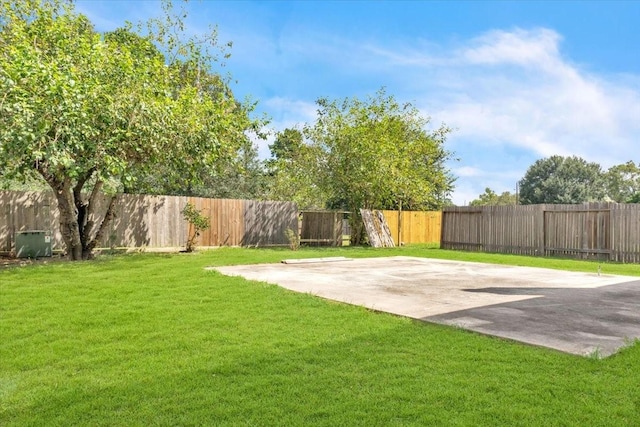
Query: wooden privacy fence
{"x": 155, "y": 221}
{"x": 608, "y": 231}
{"x": 324, "y": 228}
{"x": 414, "y": 226}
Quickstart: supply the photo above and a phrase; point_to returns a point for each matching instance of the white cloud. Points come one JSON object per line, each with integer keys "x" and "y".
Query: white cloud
{"x": 512, "y": 93}
{"x": 520, "y": 92}
{"x": 536, "y": 48}
{"x": 468, "y": 171}
{"x": 511, "y": 96}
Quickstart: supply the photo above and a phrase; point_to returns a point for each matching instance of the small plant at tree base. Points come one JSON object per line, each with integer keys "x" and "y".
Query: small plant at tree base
{"x": 294, "y": 240}
{"x": 199, "y": 223}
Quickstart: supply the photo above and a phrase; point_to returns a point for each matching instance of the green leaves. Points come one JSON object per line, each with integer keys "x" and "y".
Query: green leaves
{"x": 79, "y": 107}
{"x": 109, "y": 102}
{"x": 560, "y": 179}
{"x": 623, "y": 182}
{"x": 378, "y": 154}
{"x": 198, "y": 223}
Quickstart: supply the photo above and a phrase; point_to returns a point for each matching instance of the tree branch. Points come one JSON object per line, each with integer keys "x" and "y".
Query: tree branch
{"x": 103, "y": 226}
{"x": 77, "y": 190}
{"x": 81, "y": 206}
{"x": 90, "y": 208}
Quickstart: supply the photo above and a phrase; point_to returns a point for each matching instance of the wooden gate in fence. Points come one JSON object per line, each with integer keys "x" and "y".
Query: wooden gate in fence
{"x": 324, "y": 228}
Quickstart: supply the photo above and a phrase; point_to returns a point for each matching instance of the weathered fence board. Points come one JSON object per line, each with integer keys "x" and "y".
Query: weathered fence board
{"x": 377, "y": 229}
{"x": 154, "y": 221}
{"x": 146, "y": 221}
{"x": 578, "y": 232}
{"x": 591, "y": 231}
{"x": 625, "y": 233}
{"x": 266, "y": 223}
{"x": 461, "y": 229}
{"x": 21, "y": 211}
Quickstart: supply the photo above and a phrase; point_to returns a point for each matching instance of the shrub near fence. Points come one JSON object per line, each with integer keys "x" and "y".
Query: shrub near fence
{"x": 154, "y": 221}
{"x": 608, "y": 231}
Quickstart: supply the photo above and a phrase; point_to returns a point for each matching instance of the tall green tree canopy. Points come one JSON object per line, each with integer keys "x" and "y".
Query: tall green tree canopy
{"x": 89, "y": 112}
{"x": 292, "y": 171}
{"x": 372, "y": 154}
{"x": 559, "y": 180}
{"x": 377, "y": 154}
{"x": 286, "y": 146}
{"x": 623, "y": 182}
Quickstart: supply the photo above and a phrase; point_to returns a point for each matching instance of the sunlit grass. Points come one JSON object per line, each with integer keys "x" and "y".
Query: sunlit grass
{"x": 156, "y": 340}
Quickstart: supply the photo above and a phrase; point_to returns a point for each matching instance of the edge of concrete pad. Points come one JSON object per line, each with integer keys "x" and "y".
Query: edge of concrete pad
{"x": 315, "y": 260}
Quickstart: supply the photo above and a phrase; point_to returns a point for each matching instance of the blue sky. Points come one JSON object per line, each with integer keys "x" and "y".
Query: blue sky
{"x": 516, "y": 80}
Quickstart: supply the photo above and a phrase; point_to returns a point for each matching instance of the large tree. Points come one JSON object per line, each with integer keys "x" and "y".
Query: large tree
{"x": 292, "y": 171}
{"x": 287, "y": 144}
{"x": 236, "y": 173}
{"x": 623, "y": 182}
{"x": 562, "y": 180}
{"x": 374, "y": 154}
{"x": 92, "y": 113}
{"x": 379, "y": 154}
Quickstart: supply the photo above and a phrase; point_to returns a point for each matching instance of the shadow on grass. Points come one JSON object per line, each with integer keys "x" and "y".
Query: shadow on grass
{"x": 408, "y": 374}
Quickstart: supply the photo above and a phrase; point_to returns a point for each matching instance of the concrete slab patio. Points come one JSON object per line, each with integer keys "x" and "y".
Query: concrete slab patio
{"x": 579, "y": 313}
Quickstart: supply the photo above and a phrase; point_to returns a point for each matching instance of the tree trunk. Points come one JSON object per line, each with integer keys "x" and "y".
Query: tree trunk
{"x": 87, "y": 251}
{"x": 76, "y": 214}
{"x": 69, "y": 222}
{"x": 357, "y": 227}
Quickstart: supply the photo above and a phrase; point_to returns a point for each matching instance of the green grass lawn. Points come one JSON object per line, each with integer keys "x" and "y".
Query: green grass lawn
{"x": 152, "y": 339}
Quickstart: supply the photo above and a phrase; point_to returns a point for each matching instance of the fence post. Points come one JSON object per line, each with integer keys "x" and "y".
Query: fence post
{"x": 541, "y": 229}
{"x": 400, "y": 224}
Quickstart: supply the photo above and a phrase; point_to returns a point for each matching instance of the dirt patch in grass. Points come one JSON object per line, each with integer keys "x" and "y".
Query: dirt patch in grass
{"x": 8, "y": 261}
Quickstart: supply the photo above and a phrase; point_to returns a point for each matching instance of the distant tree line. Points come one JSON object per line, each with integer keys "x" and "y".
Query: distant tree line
{"x": 567, "y": 180}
